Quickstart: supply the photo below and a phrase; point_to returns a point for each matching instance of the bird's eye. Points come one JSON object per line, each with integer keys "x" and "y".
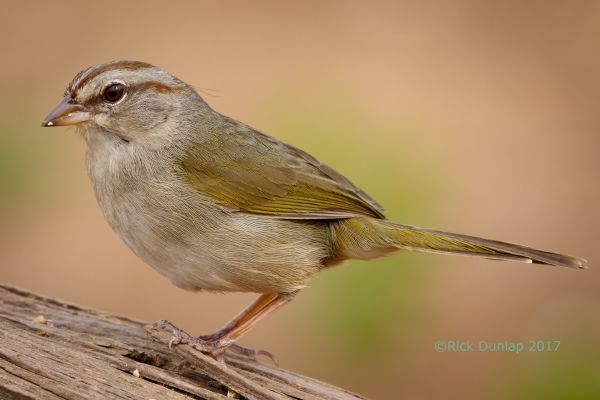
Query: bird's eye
{"x": 114, "y": 92}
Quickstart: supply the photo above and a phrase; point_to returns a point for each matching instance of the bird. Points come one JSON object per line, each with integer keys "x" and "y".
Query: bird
{"x": 216, "y": 205}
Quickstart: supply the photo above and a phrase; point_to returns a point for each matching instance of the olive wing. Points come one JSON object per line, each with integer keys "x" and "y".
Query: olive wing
{"x": 251, "y": 172}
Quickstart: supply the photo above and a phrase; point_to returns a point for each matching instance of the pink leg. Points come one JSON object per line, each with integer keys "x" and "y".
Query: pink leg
{"x": 223, "y": 339}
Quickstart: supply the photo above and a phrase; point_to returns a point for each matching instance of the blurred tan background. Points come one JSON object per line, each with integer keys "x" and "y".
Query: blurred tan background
{"x": 477, "y": 117}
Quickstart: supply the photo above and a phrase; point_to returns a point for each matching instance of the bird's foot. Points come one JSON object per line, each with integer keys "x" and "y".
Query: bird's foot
{"x": 252, "y": 354}
{"x": 214, "y": 345}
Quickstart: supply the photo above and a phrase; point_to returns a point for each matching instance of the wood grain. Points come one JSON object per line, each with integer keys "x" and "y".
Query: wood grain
{"x": 53, "y": 350}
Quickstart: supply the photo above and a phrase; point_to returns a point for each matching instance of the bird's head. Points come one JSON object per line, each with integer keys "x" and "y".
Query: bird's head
{"x": 125, "y": 99}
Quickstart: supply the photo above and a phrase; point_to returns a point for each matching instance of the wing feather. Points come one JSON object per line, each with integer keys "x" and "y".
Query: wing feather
{"x": 248, "y": 171}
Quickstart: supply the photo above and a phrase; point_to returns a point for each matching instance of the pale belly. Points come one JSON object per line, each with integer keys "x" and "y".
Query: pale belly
{"x": 196, "y": 244}
{"x": 199, "y": 246}
{"x": 230, "y": 252}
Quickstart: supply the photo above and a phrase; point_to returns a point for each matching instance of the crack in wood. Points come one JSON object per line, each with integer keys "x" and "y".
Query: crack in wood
{"x": 87, "y": 354}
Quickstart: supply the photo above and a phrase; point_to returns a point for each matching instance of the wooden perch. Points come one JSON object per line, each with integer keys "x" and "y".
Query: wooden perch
{"x": 54, "y": 350}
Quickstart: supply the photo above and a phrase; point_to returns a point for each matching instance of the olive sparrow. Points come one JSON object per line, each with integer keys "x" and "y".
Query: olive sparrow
{"x": 216, "y": 205}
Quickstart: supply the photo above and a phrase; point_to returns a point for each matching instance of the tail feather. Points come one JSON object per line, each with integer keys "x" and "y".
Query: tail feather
{"x": 368, "y": 238}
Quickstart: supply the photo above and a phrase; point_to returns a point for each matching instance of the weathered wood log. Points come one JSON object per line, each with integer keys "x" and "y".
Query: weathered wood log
{"x": 53, "y": 350}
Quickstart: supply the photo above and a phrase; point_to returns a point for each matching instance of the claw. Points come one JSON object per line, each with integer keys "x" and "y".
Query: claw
{"x": 270, "y": 355}
{"x": 252, "y": 354}
{"x": 212, "y": 344}
{"x": 179, "y": 336}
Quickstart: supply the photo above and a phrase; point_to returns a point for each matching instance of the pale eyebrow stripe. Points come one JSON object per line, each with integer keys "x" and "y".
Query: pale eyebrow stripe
{"x": 142, "y": 86}
{"x": 90, "y": 73}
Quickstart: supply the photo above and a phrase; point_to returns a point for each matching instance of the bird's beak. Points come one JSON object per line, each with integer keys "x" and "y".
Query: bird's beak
{"x": 67, "y": 112}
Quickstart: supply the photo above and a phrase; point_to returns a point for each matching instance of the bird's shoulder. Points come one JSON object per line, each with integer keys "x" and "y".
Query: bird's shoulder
{"x": 246, "y": 170}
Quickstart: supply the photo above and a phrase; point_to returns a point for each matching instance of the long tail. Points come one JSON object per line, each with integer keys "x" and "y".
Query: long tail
{"x": 366, "y": 238}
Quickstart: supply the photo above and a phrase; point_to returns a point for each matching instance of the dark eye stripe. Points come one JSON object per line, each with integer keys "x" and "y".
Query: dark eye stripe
{"x": 90, "y": 73}
{"x": 158, "y": 86}
{"x": 143, "y": 86}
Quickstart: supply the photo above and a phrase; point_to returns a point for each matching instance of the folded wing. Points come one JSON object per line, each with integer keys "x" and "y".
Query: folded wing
{"x": 248, "y": 171}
